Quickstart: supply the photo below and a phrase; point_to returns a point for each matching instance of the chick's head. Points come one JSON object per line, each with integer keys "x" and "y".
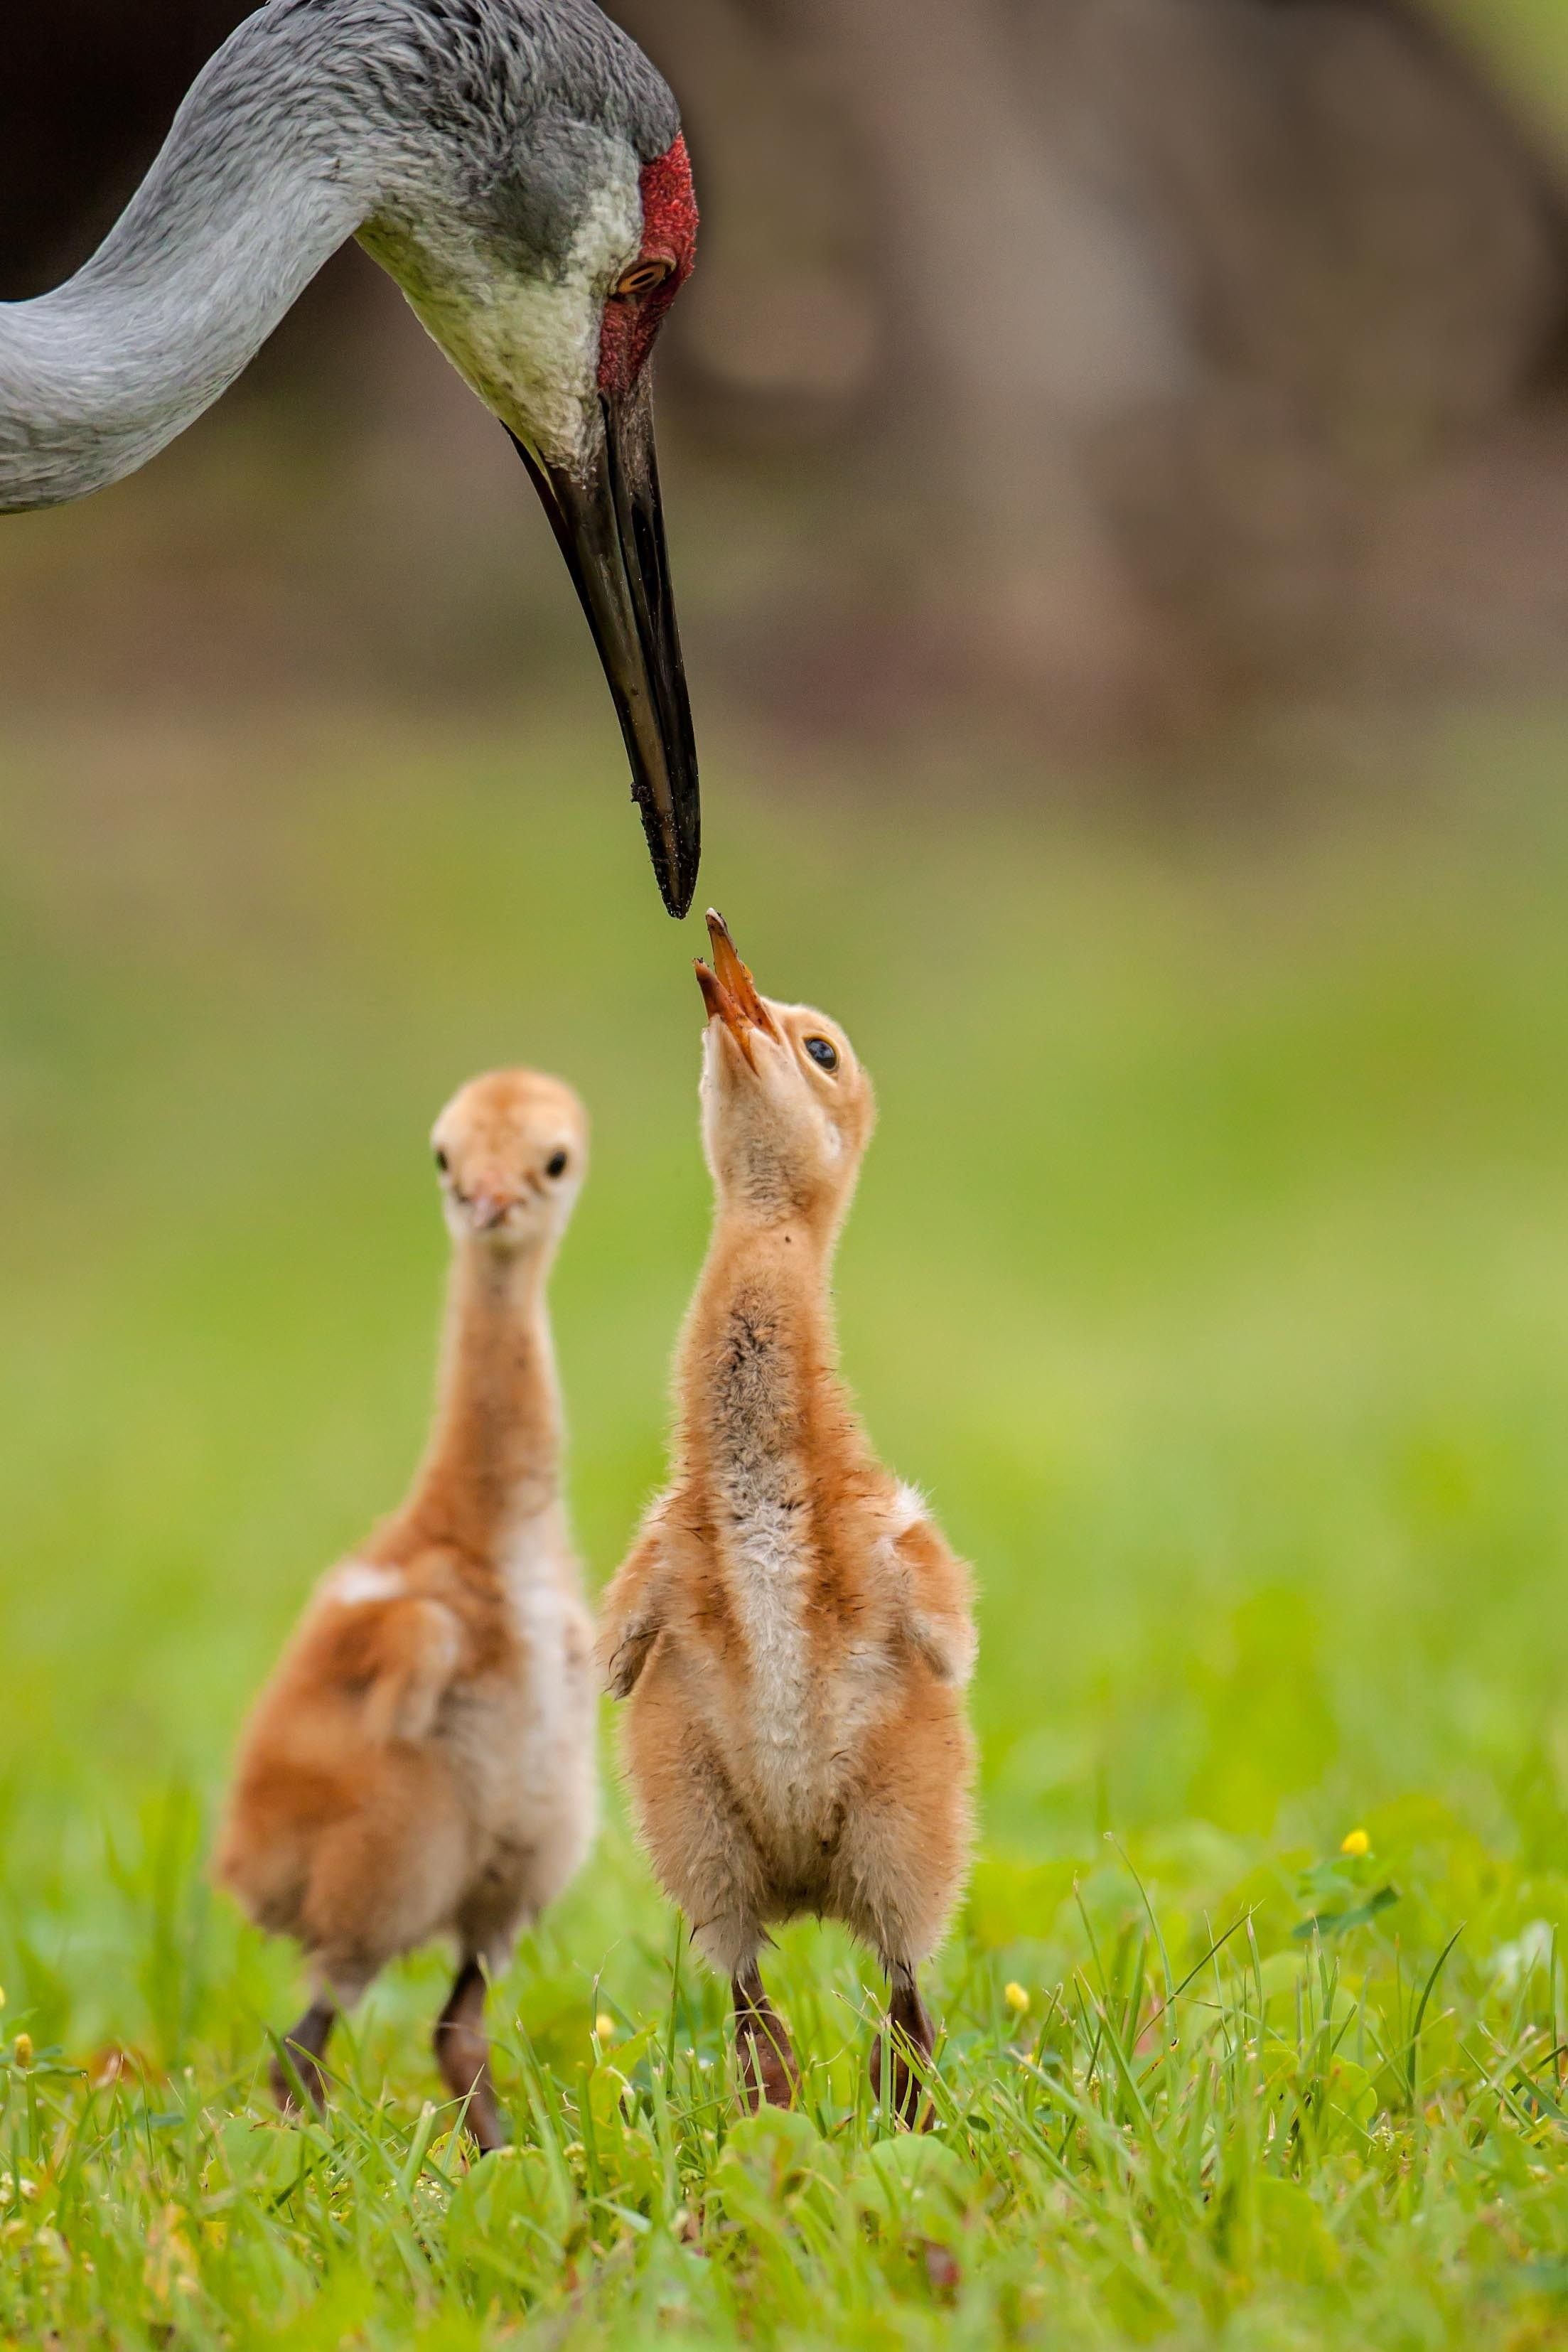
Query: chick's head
{"x": 511, "y": 1150}
{"x": 788, "y": 1109}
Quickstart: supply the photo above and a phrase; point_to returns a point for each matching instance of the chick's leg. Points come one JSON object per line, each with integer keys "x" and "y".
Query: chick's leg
{"x": 764, "y": 2055}
{"x": 463, "y": 2055}
{"x": 298, "y": 2069}
{"x": 909, "y": 2033}
{"x": 706, "y": 1857}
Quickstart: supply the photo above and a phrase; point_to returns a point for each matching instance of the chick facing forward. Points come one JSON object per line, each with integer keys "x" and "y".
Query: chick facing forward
{"x": 791, "y": 1632}
{"x": 421, "y": 1764}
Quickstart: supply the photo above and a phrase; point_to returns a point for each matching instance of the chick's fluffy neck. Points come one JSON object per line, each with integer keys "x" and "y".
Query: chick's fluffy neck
{"x": 759, "y": 1355}
{"x": 760, "y": 1197}
{"x": 493, "y": 1461}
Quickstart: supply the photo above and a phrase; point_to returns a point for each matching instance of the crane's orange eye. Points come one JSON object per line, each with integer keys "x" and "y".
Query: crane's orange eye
{"x": 644, "y": 275}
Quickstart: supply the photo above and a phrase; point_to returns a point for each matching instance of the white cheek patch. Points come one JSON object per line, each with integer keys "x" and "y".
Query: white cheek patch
{"x": 832, "y": 1141}
{"x": 357, "y": 1582}
{"x": 531, "y": 353}
{"x": 528, "y": 346}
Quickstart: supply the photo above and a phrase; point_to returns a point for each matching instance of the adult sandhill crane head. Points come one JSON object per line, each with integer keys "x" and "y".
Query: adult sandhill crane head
{"x": 518, "y": 167}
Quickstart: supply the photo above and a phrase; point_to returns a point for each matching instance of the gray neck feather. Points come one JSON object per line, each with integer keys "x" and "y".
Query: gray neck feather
{"x": 315, "y": 117}
{"x": 246, "y": 202}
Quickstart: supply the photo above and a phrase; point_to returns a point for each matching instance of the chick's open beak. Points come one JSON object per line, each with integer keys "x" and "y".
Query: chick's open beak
{"x": 608, "y": 521}
{"x": 729, "y": 991}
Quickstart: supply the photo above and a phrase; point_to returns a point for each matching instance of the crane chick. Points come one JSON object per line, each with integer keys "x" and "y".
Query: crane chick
{"x": 421, "y": 1764}
{"x": 791, "y": 1629}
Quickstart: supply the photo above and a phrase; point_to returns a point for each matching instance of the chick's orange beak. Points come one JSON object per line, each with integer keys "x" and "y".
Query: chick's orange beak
{"x": 729, "y": 991}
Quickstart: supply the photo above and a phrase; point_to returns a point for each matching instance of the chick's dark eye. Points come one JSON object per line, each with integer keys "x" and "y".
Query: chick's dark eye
{"x": 822, "y": 1052}
{"x": 556, "y": 1164}
{"x": 442, "y": 1162}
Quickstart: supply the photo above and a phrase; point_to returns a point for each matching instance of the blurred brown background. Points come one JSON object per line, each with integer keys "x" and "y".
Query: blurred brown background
{"x": 1106, "y": 361}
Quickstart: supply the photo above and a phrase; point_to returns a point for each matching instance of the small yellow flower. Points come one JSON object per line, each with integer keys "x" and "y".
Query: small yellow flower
{"x": 604, "y": 2025}
{"x": 22, "y": 2047}
{"x": 1016, "y": 1999}
{"x": 1357, "y": 1842}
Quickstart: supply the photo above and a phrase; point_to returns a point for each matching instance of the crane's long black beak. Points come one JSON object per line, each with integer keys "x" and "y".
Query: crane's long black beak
{"x": 609, "y": 521}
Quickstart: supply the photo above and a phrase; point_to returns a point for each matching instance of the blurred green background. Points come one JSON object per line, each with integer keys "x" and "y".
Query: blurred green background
{"x": 1136, "y": 714}
{"x": 1210, "y": 1269}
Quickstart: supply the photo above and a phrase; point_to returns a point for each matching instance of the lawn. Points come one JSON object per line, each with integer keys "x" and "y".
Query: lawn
{"x": 1211, "y": 1273}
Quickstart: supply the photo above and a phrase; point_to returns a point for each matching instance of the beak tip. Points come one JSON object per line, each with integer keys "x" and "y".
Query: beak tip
{"x": 677, "y": 861}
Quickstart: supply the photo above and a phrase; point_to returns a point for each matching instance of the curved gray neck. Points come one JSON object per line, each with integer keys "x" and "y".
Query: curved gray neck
{"x": 265, "y": 173}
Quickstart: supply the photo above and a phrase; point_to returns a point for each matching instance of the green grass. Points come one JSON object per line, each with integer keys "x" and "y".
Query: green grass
{"x": 1211, "y": 1271}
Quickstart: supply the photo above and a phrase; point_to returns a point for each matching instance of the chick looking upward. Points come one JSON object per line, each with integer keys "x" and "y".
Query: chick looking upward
{"x": 421, "y": 1763}
{"x": 791, "y": 1629}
